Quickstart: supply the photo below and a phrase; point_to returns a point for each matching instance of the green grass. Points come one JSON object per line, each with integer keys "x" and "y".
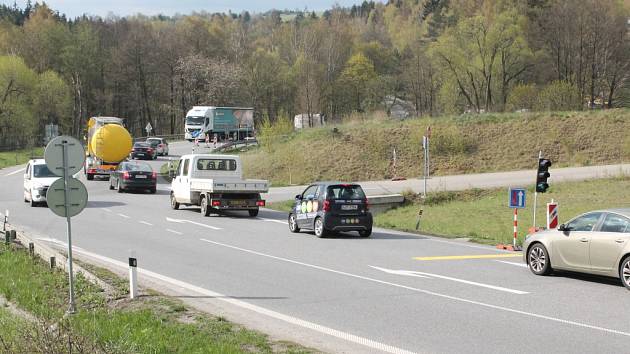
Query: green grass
{"x": 483, "y": 215}
{"x": 285, "y": 205}
{"x": 18, "y": 157}
{"x": 150, "y": 324}
{"x": 362, "y": 149}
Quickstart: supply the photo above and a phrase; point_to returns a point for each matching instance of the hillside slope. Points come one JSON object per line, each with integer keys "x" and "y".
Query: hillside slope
{"x": 362, "y": 150}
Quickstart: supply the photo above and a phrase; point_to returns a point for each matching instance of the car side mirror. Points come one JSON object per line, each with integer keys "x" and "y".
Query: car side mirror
{"x": 171, "y": 173}
{"x": 563, "y": 228}
{"x": 298, "y": 197}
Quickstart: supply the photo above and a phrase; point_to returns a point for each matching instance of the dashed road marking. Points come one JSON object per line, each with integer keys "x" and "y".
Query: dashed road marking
{"x": 175, "y": 232}
{"x": 181, "y": 221}
{"x": 108, "y": 210}
{"x": 274, "y": 220}
{"x": 124, "y": 216}
{"x": 472, "y": 256}
{"x": 145, "y": 223}
{"x": 512, "y": 263}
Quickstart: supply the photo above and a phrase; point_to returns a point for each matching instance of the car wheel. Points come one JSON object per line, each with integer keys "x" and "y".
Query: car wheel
{"x": 624, "y": 272}
{"x": 153, "y": 190}
{"x": 111, "y": 184}
{"x": 205, "y": 211}
{"x": 253, "y": 212}
{"x": 365, "y": 233}
{"x": 319, "y": 229}
{"x": 293, "y": 226}
{"x": 538, "y": 259}
{"x": 33, "y": 203}
{"x": 174, "y": 203}
{"x": 90, "y": 176}
{"x": 119, "y": 187}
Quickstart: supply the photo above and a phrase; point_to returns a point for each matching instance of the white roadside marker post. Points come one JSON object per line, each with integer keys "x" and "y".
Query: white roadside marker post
{"x": 133, "y": 276}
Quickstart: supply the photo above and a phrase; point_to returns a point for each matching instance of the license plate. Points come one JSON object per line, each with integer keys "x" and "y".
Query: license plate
{"x": 141, "y": 176}
{"x": 349, "y": 207}
{"x": 237, "y": 202}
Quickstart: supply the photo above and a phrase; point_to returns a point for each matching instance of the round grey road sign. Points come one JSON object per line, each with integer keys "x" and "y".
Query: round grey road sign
{"x": 54, "y": 155}
{"x": 77, "y": 197}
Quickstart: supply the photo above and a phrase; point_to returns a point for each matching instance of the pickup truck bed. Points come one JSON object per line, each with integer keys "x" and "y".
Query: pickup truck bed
{"x": 232, "y": 185}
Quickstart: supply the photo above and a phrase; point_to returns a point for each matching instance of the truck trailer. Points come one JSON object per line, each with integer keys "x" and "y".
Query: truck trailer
{"x": 108, "y": 143}
{"x": 224, "y": 122}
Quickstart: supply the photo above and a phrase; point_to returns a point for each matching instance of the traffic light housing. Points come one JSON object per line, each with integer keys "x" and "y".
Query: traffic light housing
{"x": 542, "y": 175}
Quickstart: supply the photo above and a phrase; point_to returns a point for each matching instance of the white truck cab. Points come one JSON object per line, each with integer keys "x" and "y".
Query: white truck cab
{"x": 215, "y": 183}
{"x": 37, "y": 179}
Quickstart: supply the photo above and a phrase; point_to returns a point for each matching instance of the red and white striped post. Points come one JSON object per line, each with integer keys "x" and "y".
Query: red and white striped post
{"x": 552, "y": 215}
{"x": 515, "y": 226}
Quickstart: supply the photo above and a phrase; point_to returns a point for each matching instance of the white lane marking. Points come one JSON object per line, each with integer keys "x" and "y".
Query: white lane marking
{"x": 412, "y": 273}
{"x": 145, "y": 223}
{"x": 260, "y": 310}
{"x": 432, "y": 293}
{"x": 273, "y": 220}
{"x": 15, "y": 172}
{"x": 181, "y": 221}
{"x": 108, "y": 210}
{"x": 58, "y": 242}
{"x": 175, "y": 232}
{"x": 512, "y": 263}
{"x": 124, "y": 216}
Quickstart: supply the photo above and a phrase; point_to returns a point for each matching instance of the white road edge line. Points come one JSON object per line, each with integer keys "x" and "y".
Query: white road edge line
{"x": 15, "y": 172}
{"x": 512, "y": 263}
{"x": 124, "y": 216}
{"x": 175, "y": 232}
{"x": 432, "y": 293}
{"x": 263, "y": 311}
{"x": 145, "y": 223}
{"x": 273, "y": 220}
{"x": 108, "y": 210}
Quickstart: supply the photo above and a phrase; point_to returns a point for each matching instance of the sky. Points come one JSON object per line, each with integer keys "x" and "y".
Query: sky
{"x": 74, "y": 8}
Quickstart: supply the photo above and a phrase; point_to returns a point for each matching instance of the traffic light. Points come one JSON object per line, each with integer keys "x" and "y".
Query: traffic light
{"x": 542, "y": 175}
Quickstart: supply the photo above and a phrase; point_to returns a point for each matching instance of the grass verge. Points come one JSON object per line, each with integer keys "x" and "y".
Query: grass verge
{"x": 18, "y": 157}
{"x": 363, "y": 150}
{"x": 483, "y": 215}
{"x": 105, "y": 323}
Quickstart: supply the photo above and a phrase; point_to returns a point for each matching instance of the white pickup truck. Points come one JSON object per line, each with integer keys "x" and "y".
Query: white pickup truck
{"x": 215, "y": 182}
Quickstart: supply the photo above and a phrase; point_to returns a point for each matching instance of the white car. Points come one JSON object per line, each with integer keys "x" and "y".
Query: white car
{"x": 37, "y": 179}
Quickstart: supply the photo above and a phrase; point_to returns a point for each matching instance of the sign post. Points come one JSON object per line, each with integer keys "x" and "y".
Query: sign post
{"x": 66, "y": 196}
{"x": 425, "y": 146}
{"x": 516, "y": 201}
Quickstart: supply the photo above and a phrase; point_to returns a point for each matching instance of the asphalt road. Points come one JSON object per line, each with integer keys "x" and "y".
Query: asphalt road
{"x": 342, "y": 294}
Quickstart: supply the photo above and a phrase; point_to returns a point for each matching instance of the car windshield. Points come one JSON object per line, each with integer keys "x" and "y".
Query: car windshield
{"x": 345, "y": 191}
{"x": 42, "y": 171}
{"x": 142, "y": 167}
{"x": 194, "y": 120}
{"x": 140, "y": 145}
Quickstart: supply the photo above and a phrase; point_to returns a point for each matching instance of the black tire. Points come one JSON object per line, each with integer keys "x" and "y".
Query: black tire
{"x": 365, "y": 233}
{"x": 111, "y": 184}
{"x": 538, "y": 259}
{"x": 33, "y": 204}
{"x": 253, "y": 212}
{"x": 293, "y": 225}
{"x": 319, "y": 229}
{"x": 205, "y": 211}
{"x": 90, "y": 176}
{"x": 119, "y": 188}
{"x": 624, "y": 272}
{"x": 153, "y": 190}
{"x": 174, "y": 203}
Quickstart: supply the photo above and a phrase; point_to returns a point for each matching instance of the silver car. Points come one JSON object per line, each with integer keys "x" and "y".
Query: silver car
{"x": 597, "y": 242}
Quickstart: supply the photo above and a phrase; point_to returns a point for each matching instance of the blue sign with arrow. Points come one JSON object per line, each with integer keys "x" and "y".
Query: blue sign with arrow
{"x": 517, "y": 198}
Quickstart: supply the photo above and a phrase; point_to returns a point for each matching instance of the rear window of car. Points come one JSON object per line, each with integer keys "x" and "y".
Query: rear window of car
{"x": 142, "y": 167}
{"x": 345, "y": 192}
{"x": 140, "y": 145}
{"x": 154, "y": 142}
{"x": 216, "y": 165}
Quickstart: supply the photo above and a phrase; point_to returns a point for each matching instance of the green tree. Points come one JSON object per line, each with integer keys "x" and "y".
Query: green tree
{"x": 359, "y": 75}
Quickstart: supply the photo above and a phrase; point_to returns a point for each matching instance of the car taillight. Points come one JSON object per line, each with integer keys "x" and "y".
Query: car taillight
{"x": 126, "y": 175}
{"x": 161, "y": 145}
{"x": 91, "y": 170}
{"x": 216, "y": 203}
{"x": 154, "y": 175}
{"x": 326, "y": 206}
{"x": 149, "y": 150}
{"x": 367, "y": 204}
{"x": 260, "y": 203}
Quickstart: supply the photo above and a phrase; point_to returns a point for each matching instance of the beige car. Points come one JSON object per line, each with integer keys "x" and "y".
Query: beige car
{"x": 597, "y": 242}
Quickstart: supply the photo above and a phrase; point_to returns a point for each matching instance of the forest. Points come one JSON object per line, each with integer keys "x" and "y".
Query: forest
{"x": 439, "y": 56}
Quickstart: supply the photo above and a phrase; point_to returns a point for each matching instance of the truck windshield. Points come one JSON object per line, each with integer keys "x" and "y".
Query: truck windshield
{"x": 42, "y": 171}
{"x": 194, "y": 120}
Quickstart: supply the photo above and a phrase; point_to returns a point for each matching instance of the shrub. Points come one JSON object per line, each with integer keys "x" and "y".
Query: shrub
{"x": 523, "y": 96}
{"x": 559, "y": 96}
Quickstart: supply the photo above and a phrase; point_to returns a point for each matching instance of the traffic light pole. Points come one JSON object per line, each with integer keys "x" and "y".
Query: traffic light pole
{"x": 536, "y": 192}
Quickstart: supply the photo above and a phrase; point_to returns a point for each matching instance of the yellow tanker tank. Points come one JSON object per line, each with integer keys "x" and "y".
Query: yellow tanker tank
{"x": 111, "y": 143}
